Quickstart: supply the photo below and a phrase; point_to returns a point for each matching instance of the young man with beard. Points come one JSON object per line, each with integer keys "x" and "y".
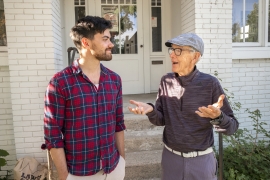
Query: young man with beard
{"x": 83, "y": 123}
{"x": 184, "y": 107}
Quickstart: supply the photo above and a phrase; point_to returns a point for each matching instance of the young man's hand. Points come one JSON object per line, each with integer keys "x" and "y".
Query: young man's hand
{"x": 211, "y": 111}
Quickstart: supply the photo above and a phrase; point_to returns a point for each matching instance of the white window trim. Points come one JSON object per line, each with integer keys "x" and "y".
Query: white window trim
{"x": 266, "y": 21}
{"x": 250, "y": 52}
{"x": 255, "y": 50}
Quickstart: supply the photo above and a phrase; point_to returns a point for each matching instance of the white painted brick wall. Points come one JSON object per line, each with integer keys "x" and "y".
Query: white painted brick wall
{"x": 213, "y": 20}
{"x": 251, "y": 87}
{"x": 6, "y": 123}
{"x": 34, "y": 55}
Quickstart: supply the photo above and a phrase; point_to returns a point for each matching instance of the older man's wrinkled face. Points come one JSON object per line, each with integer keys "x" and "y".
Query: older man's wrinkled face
{"x": 183, "y": 59}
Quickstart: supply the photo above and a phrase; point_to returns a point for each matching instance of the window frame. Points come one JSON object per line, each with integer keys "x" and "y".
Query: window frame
{"x": 4, "y": 48}
{"x": 260, "y": 30}
{"x": 249, "y": 50}
{"x": 266, "y": 21}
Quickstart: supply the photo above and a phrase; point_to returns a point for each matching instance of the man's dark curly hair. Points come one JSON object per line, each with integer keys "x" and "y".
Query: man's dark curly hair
{"x": 87, "y": 27}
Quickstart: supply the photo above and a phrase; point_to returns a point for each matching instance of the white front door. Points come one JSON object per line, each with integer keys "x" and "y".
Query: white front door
{"x": 137, "y": 33}
{"x": 127, "y": 36}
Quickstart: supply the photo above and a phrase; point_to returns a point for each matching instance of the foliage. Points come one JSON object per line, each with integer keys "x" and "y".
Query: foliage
{"x": 3, "y": 162}
{"x": 247, "y": 154}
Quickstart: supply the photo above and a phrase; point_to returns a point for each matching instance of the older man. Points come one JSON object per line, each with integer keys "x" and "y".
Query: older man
{"x": 184, "y": 107}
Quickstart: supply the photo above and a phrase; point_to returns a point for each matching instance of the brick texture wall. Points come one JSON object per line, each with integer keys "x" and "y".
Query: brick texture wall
{"x": 251, "y": 87}
{"x": 35, "y": 54}
{"x": 213, "y": 22}
{"x": 6, "y": 123}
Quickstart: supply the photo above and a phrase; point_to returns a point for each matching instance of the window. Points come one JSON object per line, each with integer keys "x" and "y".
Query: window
{"x": 269, "y": 21}
{"x": 156, "y": 26}
{"x": 123, "y": 15}
{"x": 3, "y": 37}
{"x": 249, "y": 27}
{"x": 79, "y": 9}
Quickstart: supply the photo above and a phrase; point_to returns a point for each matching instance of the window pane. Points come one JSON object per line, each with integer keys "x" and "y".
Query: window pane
{"x": 103, "y": 1}
{"x": 115, "y": 1}
{"x": 237, "y": 21}
{"x": 109, "y": 1}
{"x": 252, "y": 21}
{"x": 112, "y": 13}
{"x": 156, "y": 29}
{"x": 128, "y": 38}
{"x": 269, "y": 22}
{"x": 76, "y": 2}
{"x": 134, "y": 1}
{"x": 3, "y": 37}
{"x": 79, "y": 13}
{"x": 122, "y": 2}
{"x": 158, "y": 2}
{"x": 153, "y": 2}
{"x": 82, "y": 2}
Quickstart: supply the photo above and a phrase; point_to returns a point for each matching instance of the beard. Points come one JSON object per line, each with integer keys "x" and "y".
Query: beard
{"x": 103, "y": 55}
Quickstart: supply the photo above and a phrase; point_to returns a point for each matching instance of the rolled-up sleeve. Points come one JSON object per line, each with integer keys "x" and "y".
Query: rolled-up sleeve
{"x": 120, "y": 125}
{"x": 54, "y": 112}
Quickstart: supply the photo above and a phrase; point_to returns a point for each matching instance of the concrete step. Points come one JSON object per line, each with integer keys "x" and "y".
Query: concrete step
{"x": 138, "y": 122}
{"x": 143, "y": 165}
{"x": 143, "y": 140}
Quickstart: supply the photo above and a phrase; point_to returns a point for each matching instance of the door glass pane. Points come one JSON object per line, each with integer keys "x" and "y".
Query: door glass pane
{"x": 124, "y": 30}
{"x": 3, "y": 37}
{"x": 153, "y": 2}
{"x": 237, "y": 21}
{"x": 79, "y": 13}
{"x": 269, "y": 22}
{"x": 112, "y": 13}
{"x": 156, "y": 29}
{"x": 128, "y": 27}
{"x": 252, "y": 20}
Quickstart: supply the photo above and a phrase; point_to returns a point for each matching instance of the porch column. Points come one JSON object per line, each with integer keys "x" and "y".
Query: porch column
{"x": 34, "y": 55}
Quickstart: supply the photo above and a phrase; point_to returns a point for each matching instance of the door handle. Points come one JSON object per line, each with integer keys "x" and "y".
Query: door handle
{"x": 141, "y": 45}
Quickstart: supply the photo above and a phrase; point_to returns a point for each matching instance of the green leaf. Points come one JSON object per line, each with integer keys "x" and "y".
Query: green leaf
{"x": 3, "y": 162}
{"x": 3, "y": 152}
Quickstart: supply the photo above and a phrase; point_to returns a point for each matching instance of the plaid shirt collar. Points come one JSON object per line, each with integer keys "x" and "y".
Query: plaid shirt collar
{"x": 76, "y": 69}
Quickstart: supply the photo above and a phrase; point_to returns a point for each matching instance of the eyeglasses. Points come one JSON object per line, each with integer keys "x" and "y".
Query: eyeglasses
{"x": 178, "y": 51}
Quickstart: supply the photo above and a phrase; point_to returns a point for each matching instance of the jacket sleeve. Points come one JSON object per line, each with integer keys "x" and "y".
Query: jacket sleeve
{"x": 229, "y": 122}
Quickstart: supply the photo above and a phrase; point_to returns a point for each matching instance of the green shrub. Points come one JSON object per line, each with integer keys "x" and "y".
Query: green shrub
{"x": 3, "y": 162}
{"x": 246, "y": 155}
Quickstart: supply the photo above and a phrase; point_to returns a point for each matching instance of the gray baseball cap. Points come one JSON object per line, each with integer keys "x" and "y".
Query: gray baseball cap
{"x": 187, "y": 39}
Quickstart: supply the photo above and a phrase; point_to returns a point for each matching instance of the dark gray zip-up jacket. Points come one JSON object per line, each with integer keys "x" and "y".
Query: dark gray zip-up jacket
{"x": 177, "y": 100}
